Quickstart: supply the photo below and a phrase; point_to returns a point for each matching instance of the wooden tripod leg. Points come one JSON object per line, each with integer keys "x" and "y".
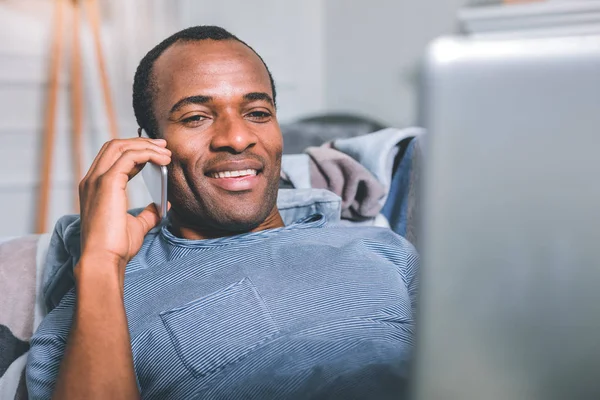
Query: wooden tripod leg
{"x": 93, "y": 15}
{"x": 50, "y": 117}
{"x": 76, "y": 101}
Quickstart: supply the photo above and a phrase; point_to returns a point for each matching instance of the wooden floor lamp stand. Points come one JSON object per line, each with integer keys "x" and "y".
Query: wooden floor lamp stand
{"x": 61, "y": 7}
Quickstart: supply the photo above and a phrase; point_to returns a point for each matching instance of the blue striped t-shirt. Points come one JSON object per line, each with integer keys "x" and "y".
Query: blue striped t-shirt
{"x": 304, "y": 311}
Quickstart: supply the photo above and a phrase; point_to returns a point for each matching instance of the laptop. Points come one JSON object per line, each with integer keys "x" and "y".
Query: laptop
{"x": 510, "y": 284}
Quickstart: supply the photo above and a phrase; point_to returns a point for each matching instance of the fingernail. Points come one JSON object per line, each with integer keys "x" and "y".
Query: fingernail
{"x": 159, "y": 141}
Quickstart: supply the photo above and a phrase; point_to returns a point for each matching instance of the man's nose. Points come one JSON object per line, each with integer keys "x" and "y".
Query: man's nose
{"x": 233, "y": 134}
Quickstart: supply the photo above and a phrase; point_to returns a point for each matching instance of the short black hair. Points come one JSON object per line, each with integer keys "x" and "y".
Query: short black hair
{"x": 144, "y": 87}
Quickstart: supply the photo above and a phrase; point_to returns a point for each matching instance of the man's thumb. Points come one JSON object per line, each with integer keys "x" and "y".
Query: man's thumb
{"x": 148, "y": 218}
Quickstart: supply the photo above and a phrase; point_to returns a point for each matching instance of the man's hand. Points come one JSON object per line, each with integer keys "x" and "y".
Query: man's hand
{"x": 108, "y": 232}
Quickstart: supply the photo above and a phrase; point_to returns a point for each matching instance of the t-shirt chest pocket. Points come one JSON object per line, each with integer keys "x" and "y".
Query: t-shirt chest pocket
{"x": 219, "y": 329}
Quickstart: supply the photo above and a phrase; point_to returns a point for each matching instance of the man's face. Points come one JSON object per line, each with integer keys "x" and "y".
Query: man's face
{"x": 214, "y": 106}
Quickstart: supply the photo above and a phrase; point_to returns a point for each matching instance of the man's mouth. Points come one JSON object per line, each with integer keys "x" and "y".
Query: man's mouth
{"x": 236, "y": 180}
{"x": 234, "y": 174}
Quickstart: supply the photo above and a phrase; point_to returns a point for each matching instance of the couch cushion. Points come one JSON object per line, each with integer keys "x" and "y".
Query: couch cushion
{"x": 19, "y": 308}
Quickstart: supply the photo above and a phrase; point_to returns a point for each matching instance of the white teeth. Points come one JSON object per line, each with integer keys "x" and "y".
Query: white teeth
{"x": 233, "y": 174}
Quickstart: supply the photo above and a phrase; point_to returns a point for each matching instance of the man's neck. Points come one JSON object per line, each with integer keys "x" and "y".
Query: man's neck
{"x": 182, "y": 230}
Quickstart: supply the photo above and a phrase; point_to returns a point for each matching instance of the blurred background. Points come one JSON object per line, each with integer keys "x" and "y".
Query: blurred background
{"x": 356, "y": 61}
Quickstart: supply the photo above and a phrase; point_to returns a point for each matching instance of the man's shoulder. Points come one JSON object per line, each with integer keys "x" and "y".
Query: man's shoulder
{"x": 367, "y": 232}
{"x": 377, "y": 238}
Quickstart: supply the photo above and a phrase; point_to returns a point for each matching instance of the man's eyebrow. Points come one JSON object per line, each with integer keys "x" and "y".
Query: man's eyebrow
{"x": 256, "y": 96}
{"x": 190, "y": 100}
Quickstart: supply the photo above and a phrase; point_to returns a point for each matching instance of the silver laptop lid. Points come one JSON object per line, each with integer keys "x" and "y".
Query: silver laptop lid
{"x": 510, "y": 295}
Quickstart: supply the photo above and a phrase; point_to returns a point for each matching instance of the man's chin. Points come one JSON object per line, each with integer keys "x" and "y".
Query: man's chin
{"x": 226, "y": 213}
{"x": 233, "y": 219}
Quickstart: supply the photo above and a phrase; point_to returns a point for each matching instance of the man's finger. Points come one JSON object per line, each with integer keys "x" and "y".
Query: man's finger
{"x": 113, "y": 150}
{"x": 131, "y": 162}
{"x": 117, "y": 148}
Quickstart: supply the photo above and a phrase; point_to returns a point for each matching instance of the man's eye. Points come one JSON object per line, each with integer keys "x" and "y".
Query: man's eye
{"x": 259, "y": 116}
{"x": 195, "y": 119}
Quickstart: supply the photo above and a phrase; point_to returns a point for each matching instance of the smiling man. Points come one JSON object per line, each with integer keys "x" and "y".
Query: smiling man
{"x": 223, "y": 301}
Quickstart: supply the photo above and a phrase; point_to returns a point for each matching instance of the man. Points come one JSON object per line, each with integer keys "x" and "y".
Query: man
{"x": 225, "y": 301}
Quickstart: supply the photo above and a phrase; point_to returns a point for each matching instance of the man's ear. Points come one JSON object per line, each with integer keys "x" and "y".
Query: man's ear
{"x": 139, "y": 132}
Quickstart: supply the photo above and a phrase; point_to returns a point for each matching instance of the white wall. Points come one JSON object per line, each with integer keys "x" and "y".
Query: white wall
{"x": 373, "y": 49}
{"x": 25, "y": 42}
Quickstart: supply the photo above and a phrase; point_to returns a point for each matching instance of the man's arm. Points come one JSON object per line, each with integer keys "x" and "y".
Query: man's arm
{"x": 98, "y": 362}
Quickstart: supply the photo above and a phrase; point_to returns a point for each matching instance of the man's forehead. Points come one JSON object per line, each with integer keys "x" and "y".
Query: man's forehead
{"x": 195, "y": 60}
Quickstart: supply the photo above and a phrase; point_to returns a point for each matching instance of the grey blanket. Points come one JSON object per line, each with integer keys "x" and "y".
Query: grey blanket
{"x": 360, "y": 191}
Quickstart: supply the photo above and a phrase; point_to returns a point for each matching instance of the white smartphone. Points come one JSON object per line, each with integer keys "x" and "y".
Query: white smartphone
{"x": 155, "y": 178}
